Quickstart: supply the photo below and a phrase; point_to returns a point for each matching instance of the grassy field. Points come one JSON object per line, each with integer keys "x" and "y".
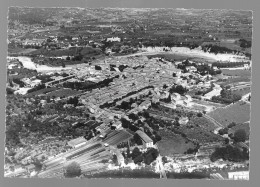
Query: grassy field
{"x": 173, "y": 143}
{"x": 20, "y": 50}
{"x": 234, "y": 80}
{"x": 64, "y": 92}
{"x": 238, "y": 113}
{"x": 68, "y": 52}
{"x": 200, "y": 129}
{"x": 181, "y": 57}
{"x": 242, "y": 92}
{"x": 126, "y": 173}
{"x": 238, "y": 72}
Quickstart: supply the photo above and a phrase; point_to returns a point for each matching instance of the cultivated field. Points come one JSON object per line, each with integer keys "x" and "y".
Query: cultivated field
{"x": 242, "y": 92}
{"x": 64, "y": 92}
{"x": 200, "y": 129}
{"x": 238, "y": 113}
{"x": 172, "y": 143}
{"x": 237, "y": 72}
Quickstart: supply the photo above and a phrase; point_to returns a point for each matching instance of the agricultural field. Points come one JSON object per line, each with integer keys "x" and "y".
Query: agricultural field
{"x": 238, "y": 113}
{"x": 237, "y": 72}
{"x": 18, "y": 50}
{"x": 230, "y": 44}
{"x": 172, "y": 143}
{"x": 242, "y": 92}
{"x": 42, "y": 91}
{"x": 200, "y": 129}
{"x": 64, "y": 92}
{"x": 67, "y": 52}
{"x": 233, "y": 80}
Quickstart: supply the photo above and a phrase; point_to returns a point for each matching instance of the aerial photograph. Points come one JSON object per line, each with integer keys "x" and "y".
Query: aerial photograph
{"x": 148, "y": 93}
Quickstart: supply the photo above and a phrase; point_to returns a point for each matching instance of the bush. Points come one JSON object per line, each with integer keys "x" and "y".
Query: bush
{"x": 199, "y": 114}
{"x": 240, "y": 135}
{"x": 231, "y": 125}
{"x": 230, "y": 153}
{"x": 136, "y": 152}
{"x": 223, "y": 131}
{"x": 72, "y": 170}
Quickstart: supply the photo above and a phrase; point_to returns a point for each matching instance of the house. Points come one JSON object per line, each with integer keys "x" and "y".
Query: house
{"x": 187, "y": 104}
{"x": 147, "y": 141}
{"x": 113, "y": 39}
{"x": 176, "y": 96}
{"x": 77, "y": 142}
{"x": 246, "y": 66}
{"x": 188, "y": 98}
{"x": 117, "y": 124}
{"x": 183, "y": 120}
{"x": 145, "y": 104}
{"x": 215, "y": 68}
{"x": 191, "y": 68}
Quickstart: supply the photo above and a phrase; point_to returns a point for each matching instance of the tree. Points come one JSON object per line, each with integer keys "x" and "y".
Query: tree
{"x": 138, "y": 159}
{"x": 72, "y": 170}
{"x": 137, "y": 139}
{"x": 135, "y": 153}
{"x": 226, "y": 140}
{"x": 164, "y": 159}
{"x": 240, "y": 135}
{"x": 199, "y": 114}
{"x": 231, "y": 125}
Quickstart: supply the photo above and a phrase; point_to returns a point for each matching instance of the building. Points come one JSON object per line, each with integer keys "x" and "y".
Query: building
{"x": 113, "y": 39}
{"x": 246, "y": 66}
{"x": 77, "y": 142}
{"x": 191, "y": 69}
{"x": 215, "y": 68}
{"x": 183, "y": 121}
{"x": 147, "y": 141}
{"x": 239, "y": 175}
{"x": 187, "y": 103}
{"x": 188, "y": 98}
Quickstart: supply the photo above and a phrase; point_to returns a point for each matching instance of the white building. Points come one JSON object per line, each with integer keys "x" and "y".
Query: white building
{"x": 191, "y": 69}
{"x": 77, "y": 142}
{"x": 113, "y": 39}
{"x": 239, "y": 175}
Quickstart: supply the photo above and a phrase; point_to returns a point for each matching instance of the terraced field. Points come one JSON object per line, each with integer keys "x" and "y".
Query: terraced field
{"x": 238, "y": 113}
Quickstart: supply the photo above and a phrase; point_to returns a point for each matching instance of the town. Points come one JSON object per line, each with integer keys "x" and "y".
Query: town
{"x": 128, "y": 93}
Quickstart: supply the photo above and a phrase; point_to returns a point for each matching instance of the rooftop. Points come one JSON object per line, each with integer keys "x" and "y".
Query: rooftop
{"x": 144, "y": 136}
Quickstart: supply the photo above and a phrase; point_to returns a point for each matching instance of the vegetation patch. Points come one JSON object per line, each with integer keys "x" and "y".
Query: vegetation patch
{"x": 238, "y": 113}
{"x": 172, "y": 143}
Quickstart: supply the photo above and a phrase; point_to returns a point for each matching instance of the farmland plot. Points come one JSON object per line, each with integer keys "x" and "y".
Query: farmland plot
{"x": 238, "y": 113}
